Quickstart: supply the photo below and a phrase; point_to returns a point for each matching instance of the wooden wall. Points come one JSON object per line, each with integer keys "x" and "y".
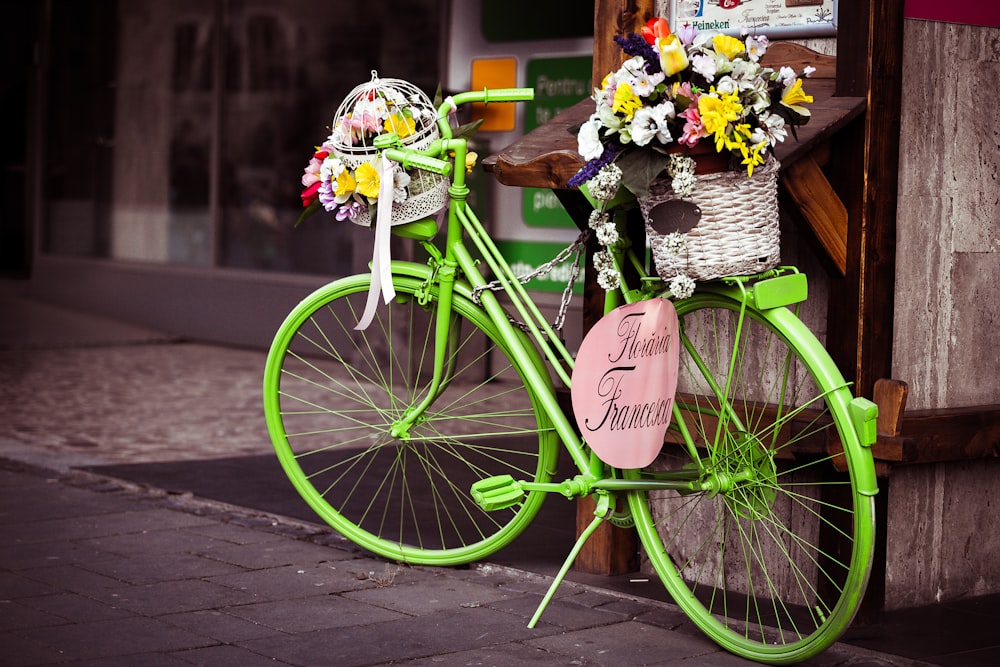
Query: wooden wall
{"x": 947, "y": 311}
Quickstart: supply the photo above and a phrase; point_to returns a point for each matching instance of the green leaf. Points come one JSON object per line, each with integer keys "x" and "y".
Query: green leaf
{"x": 466, "y": 131}
{"x": 640, "y": 168}
{"x": 307, "y": 211}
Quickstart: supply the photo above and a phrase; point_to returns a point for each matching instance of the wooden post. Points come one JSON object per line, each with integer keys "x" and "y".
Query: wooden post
{"x": 610, "y": 550}
{"x": 860, "y": 319}
{"x": 869, "y": 63}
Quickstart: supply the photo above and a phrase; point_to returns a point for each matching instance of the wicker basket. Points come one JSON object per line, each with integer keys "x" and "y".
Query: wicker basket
{"x": 427, "y": 192}
{"x": 736, "y": 234}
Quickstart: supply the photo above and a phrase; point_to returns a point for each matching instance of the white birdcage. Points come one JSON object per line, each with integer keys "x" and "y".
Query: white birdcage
{"x": 390, "y": 105}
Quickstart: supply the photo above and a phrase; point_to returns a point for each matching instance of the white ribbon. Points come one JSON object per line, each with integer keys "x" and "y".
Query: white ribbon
{"x": 381, "y": 259}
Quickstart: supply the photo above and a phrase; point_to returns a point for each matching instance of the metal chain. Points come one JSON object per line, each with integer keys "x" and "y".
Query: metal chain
{"x": 575, "y": 250}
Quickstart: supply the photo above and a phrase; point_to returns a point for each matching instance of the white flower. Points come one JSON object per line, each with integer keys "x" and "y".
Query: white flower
{"x": 756, "y": 46}
{"x": 607, "y": 275}
{"x": 726, "y": 85}
{"x": 681, "y": 169}
{"x": 607, "y": 234}
{"x": 675, "y": 243}
{"x": 683, "y": 184}
{"x": 331, "y": 169}
{"x": 604, "y": 186}
{"x": 681, "y": 286}
{"x": 400, "y": 181}
{"x": 651, "y": 123}
{"x": 773, "y": 127}
{"x": 643, "y": 84}
{"x": 608, "y": 118}
{"x": 786, "y": 75}
{"x": 704, "y": 65}
{"x": 589, "y": 140}
{"x": 597, "y": 218}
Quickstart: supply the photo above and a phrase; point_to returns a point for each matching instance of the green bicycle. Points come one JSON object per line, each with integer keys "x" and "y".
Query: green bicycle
{"x": 432, "y": 436}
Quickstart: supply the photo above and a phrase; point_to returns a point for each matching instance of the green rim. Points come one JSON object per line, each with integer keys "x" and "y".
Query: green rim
{"x": 332, "y": 397}
{"x": 772, "y": 561}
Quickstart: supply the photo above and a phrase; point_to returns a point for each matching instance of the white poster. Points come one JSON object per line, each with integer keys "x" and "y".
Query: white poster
{"x": 774, "y": 18}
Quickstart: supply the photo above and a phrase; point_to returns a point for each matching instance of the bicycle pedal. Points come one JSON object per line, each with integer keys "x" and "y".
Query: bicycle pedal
{"x": 497, "y": 493}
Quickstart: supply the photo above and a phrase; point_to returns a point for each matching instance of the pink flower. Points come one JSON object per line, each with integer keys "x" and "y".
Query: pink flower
{"x": 694, "y": 130}
{"x": 687, "y": 33}
{"x": 311, "y": 172}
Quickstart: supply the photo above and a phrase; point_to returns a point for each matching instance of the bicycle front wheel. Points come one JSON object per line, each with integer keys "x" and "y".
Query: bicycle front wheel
{"x": 771, "y": 557}
{"x": 337, "y": 401}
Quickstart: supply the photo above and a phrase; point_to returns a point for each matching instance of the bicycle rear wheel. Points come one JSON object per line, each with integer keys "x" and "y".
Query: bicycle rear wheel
{"x": 772, "y": 559}
{"x": 334, "y": 399}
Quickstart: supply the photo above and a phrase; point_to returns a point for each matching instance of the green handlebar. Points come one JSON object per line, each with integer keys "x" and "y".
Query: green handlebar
{"x": 411, "y": 158}
{"x": 496, "y": 95}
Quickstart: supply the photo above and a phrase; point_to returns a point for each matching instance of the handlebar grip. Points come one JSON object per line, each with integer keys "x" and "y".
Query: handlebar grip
{"x": 410, "y": 158}
{"x": 508, "y": 95}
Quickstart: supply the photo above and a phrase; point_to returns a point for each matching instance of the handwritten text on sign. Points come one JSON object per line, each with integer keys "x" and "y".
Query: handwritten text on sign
{"x": 624, "y": 382}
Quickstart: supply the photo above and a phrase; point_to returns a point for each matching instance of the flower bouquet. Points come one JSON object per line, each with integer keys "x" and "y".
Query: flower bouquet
{"x": 687, "y": 125}
{"x": 345, "y": 176}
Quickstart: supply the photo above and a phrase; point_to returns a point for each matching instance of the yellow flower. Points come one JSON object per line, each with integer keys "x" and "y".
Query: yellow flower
{"x": 673, "y": 57}
{"x": 368, "y": 181}
{"x": 793, "y": 95}
{"x": 717, "y": 112}
{"x": 345, "y": 186}
{"x": 728, "y": 46}
{"x": 753, "y": 157}
{"x": 401, "y": 124}
{"x": 626, "y": 101}
{"x": 470, "y": 160}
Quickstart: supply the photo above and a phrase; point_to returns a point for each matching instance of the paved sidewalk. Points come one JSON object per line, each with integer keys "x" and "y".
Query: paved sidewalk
{"x": 99, "y": 572}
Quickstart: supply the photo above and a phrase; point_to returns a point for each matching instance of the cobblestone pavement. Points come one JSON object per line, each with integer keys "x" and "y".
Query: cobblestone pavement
{"x": 132, "y": 403}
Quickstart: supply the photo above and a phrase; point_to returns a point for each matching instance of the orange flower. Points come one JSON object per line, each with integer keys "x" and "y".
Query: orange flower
{"x": 654, "y": 29}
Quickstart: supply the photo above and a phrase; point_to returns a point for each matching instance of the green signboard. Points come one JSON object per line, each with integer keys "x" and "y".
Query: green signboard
{"x": 526, "y": 256}
{"x": 559, "y": 83}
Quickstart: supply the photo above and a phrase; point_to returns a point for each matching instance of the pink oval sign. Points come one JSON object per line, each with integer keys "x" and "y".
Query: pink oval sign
{"x": 624, "y": 381}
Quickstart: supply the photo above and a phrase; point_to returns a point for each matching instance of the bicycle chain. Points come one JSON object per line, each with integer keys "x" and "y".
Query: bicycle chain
{"x": 576, "y": 249}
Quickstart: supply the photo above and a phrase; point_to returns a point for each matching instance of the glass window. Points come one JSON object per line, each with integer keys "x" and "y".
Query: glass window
{"x": 188, "y": 131}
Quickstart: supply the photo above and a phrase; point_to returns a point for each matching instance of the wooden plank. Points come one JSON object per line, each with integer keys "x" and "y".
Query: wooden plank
{"x": 890, "y": 397}
{"x": 820, "y": 206}
{"x": 796, "y": 56}
{"x": 954, "y": 434}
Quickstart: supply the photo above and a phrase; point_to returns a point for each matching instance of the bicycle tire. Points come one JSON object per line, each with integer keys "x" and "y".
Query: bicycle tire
{"x": 332, "y": 394}
{"x": 772, "y": 568}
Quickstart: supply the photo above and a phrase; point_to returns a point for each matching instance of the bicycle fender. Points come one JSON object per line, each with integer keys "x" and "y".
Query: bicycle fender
{"x": 858, "y": 411}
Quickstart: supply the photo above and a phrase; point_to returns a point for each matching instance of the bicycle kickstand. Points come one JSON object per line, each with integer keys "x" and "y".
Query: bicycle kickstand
{"x": 601, "y": 514}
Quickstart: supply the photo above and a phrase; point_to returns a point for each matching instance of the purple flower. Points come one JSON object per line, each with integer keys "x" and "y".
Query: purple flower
{"x": 589, "y": 170}
{"x": 634, "y": 45}
{"x": 348, "y": 210}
